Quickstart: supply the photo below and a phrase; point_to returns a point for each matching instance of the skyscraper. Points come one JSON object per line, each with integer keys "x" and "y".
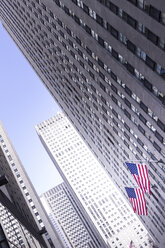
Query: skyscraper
{"x": 103, "y": 61}
{"x": 67, "y": 217}
{"x": 107, "y": 213}
{"x": 20, "y": 203}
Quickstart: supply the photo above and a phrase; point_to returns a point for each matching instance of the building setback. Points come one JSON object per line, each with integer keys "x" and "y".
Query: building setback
{"x": 106, "y": 212}
{"x": 103, "y": 61}
{"x": 67, "y": 217}
{"x": 21, "y": 204}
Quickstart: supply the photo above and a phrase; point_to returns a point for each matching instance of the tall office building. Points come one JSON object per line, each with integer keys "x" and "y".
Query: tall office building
{"x": 67, "y": 217}
{"x": 108, "y": 215}
{"x": 103, "y": 61}
{"x": 21, "y": 204}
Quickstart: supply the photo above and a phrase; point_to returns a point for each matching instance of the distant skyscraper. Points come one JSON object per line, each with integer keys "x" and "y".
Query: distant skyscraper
{"x": 21, "y": 202}
{"x": 103, "y": 61}
{"x": 106, "y": 211}
{"x": 67, "y": 217}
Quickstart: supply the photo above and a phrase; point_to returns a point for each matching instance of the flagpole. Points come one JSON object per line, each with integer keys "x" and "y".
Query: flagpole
{"x": 149, "y": 161}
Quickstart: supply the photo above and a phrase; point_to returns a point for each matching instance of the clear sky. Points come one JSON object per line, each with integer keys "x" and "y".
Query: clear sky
{"x": 25, "y": 102}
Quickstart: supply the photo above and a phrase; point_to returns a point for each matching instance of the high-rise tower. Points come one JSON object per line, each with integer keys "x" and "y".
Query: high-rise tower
{"x": 67, "y": 217}
{"x": 103, "y": 61}
{"x": 20, "y": 201}
{"x": 107, "y": 214}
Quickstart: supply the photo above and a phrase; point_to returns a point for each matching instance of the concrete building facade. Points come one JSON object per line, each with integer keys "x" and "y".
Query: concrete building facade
{"x": 16, "y": 235}
{"x": 105, "y": 210}
{"x": 20, "y": 202}
{"x": 67, "y": 217}
{"x": 103, "y": 61}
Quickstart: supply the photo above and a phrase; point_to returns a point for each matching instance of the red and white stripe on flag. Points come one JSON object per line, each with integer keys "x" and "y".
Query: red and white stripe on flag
{"x": 142, "y": 178}
{"x": 139, "y": 203}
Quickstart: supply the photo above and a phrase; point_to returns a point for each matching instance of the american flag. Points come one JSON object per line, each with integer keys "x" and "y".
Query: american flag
{"x": 137, "y": 200}
{"x": 140, "y": 174}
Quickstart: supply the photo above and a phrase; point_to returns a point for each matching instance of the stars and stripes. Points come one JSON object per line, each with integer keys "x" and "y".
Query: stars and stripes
{"x": 137, "y": 200}
{"x": 140, "y": 174}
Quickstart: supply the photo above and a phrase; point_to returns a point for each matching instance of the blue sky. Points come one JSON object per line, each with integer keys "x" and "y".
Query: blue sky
{"x": 25, "y": 102}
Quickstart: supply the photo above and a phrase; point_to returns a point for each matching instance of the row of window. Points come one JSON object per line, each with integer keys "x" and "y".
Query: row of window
{"x": 138, "y": 26}
{"x": 122, "y": 38}
{"x": 99, "y": 61}
{"x": 147, "y": 110}
{"x": 122, "y": 60}
{"x": 149, "y": 9}
{"x": 141, "y": 54}
{"x": 147, "y": 85}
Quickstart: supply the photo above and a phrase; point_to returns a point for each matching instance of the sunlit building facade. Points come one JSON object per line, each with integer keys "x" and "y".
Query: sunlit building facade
{"x": 67, "y": 217}
{"x": 22, "y": 215}
{"x": 107, "y": 213}
{"x": 103, "y": 62}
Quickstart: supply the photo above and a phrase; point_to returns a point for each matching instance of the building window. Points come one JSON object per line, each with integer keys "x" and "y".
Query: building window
{"x": 85, "y": 8}
{"x": 127, "y": 114}
{"x": 144, "y": 107}
{"x": 148, "y": 85}
{"x": 131, "y": 46}
{"x": 133, "y": 1}
{"x": 114, "y": 32}
{"x": 127, "y": 103}
{"x": 100, "y": 63}
{"x": 155, "y": 13}
{"x": 159, "y": 137}
{"x": 152, "y": 37}
{"x": 99, "y": 19}
{"x": 114, "y": 88}
{"x": 88, "y": 29}
{"x": 100, "y": 41}
{"x": 90, "y": 63}
{"x": 140, "y": 142}
{"x": 128, "y": 91}
{"x": 161, "y": 125}
{"x": 141, "y": 130}
{"x": 157, "y": 147}
{"x": 113, "y": 8}
{"x": 150, "y": 63}
{"x": 131, "y": 21}
{"x": 113, "y": 76}
{"x": 127, "y": 127}
{"x": 130, "y": 68}
{"x": 114, "y": 99}
{"x": 89, "y": 51}
{"x": 115, "y": 54}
